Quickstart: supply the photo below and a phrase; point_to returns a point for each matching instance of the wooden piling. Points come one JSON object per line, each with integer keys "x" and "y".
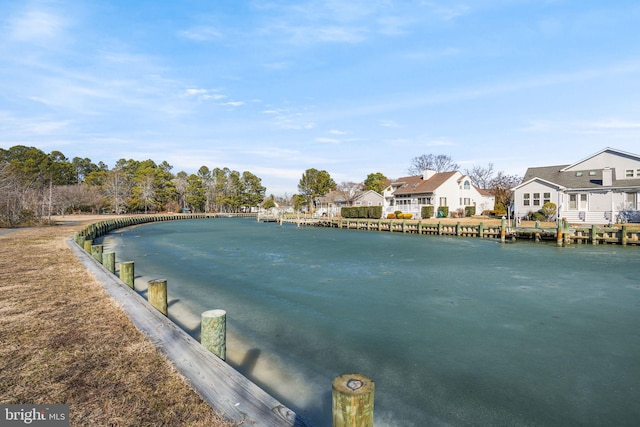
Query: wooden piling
{"x": 503, "y": 230}
{"x": 559, "y": 240}
{"x": 87, "y": 245}
{"x": 213, "y": 332}
{"x": 352, "y": 398}
{"x": 594, "y": 235}
{"x": 109, "y": 261}
{"x": 96, "y": 252}
{"x": 127, "y": 273}
{"x": 157, "y": 294}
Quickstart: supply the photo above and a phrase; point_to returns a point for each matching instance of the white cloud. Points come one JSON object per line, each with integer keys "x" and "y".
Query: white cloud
{"x": 201, "y": 34}
{"x": 37, "y": 26}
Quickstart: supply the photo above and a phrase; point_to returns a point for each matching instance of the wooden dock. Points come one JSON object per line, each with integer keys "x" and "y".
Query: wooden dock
{"x": 565, "y": 235}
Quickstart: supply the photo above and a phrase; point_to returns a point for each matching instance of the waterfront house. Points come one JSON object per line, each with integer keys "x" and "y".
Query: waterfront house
{"x": 602, "y": 188}
{"x": 331, "y": 203}
{"x": 452, "y": 190}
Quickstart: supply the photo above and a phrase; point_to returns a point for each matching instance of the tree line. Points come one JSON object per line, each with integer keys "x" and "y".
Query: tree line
{"x": 35, "y": 185}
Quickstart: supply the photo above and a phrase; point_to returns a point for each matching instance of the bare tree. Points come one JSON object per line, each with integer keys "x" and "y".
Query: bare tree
{"x": 438, "y": 163}
{"x": 501, "y": 187}
{"x": 481, "y": 176}
{"x": 349, "y": 191}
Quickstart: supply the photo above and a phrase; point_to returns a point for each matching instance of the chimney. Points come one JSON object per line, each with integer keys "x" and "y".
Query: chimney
{"x": 427, "y": 173}
{"x": 607, "y": 177}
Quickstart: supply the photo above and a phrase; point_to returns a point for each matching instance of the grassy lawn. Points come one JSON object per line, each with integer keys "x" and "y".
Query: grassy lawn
{"x": 65, "y": 341}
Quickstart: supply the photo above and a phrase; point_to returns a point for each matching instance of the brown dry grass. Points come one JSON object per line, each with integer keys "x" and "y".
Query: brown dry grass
{"x": 63, "y": 340}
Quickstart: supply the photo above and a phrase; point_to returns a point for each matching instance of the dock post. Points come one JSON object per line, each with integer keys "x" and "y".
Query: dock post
{"x": 559, "y": 235}
{"x": 127, "y": 273}
{"x": 213, "y": 333}
{"x": 481, "y": 230}
{"x": 503, "y": 230}
{"x": 87, "y": 245}
{"x": 109, "y": 261}
{"x": 96, "y": 252}
{"x": 352, "y": 401}
{"x": 623, "y": 235}
{"x": 594, "y": 235}
{"x": 157, "y": 295}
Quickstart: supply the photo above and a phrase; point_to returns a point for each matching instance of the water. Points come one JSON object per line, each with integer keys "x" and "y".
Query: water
{"x": 453, "y": 331}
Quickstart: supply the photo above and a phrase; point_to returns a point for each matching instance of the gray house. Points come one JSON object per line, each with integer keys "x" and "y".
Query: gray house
{"x": 602, "y": 188}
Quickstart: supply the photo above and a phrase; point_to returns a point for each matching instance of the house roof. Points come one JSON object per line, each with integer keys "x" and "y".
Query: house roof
{"x": 619, "y": 153}
{"x": 587, "y": 179}
{"x": 417, "y": 185}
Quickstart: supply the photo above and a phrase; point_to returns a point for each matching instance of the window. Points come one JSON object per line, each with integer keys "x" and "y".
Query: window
{"x": 424, "y": 200}
{"x": 583, "y": 202}
{"x": 443, "y": 201}
{"x": 467, "y": 201}
{"x": 546, "y": 198}
{"x": 630, "y": 200}
{"x": 527, "y": 199}
{"x": 536, "y": 199}
{"x": 629, "y": 173}
{"x": 467, "y": 185}
{"x": 578, "y": 173}
{"x": 592, "y": 173}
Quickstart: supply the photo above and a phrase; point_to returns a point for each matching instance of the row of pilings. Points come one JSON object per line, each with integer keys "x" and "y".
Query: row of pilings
{"x": 563, "y": 234}
{"x": 352, "y": 394}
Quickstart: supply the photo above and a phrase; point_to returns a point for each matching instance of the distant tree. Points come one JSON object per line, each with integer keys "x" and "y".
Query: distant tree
{"x": 299, "y": 201}
{"x": 349, "y": 191}
{"x": 376, "y": 182}
{"x": 481, "y": 176}
{"x": 251, "y": 190}
{"x": 314, "y": 184}
{"x": 438, "y": 163}
{"x": 549, "y": 209}
{"x": 269, "y": 202}
{"x": 501, "y": 186}
{"x": 195, "y": 196}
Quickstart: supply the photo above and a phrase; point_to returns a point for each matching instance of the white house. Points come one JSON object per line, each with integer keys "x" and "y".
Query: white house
{"x": 601, "y": 188}
{"x": 451, "y": 189}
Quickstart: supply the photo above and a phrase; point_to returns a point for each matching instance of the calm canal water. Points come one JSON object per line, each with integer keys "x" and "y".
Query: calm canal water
{"x": 453, "y": 331}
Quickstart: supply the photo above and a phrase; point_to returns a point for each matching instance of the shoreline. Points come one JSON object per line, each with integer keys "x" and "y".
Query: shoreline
{"x": 66, "y": 341}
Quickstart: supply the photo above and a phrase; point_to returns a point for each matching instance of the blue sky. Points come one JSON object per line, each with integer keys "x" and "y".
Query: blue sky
{"x": 351, "y": 87}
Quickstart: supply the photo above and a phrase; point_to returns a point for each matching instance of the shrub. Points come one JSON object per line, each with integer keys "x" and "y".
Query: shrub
{"x": 391, "y": 216}
{"x": 469, "y": 210}
{"x": 443, "y": 211}
{"x": 536, "y": 216}
{"x": 426, "y": 212}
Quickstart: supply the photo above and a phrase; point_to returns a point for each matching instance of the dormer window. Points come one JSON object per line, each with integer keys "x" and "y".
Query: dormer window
{"x": 578, "y": 173}
{"x": 467, "y": 185}
{"x": 592, "y": 173}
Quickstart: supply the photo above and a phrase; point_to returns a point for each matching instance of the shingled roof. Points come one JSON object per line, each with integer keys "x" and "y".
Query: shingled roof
{"x": 417, "y": 185}
{"x": 586, "y": 179}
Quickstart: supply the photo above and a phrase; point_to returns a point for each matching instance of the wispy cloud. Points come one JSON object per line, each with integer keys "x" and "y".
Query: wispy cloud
{"x": 202, "y": 34}
{"x": 36, "y": 25}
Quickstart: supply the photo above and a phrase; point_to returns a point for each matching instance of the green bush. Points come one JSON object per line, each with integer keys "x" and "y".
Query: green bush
{"x": 443, "y": 211}
{"x": 374, "y": 212}
{"x": 469, "y": 210}
{"x": 536, "y": 216}
{"x": 426, "y": 212}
